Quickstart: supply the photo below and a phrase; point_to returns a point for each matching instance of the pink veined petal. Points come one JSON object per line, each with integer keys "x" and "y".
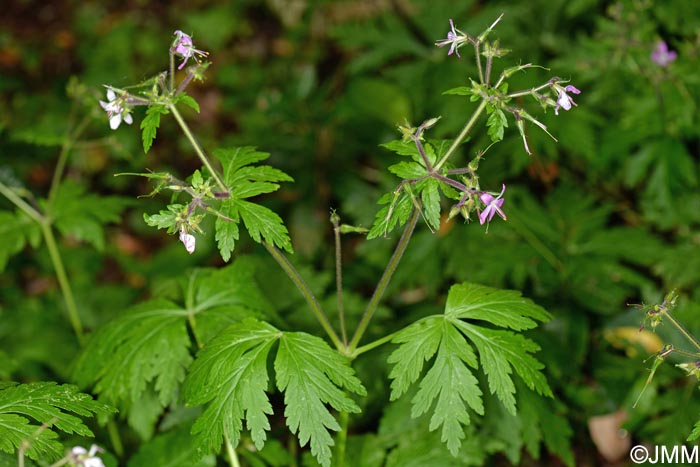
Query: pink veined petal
{"x": 484, "y": 214}
{"x": 188, "y": 240}
{"x": 571, "y": 88}
{"x": 564, "y": 101}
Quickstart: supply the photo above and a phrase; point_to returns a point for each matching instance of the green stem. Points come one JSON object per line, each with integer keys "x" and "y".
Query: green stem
{"x": 384, "y": 281}
{"x": 232, "y": 456}
{"x": 463, "y": 134}
{"x": 197, "y": 148}
{"x": 342, "y": 440}
{"x": 682, "y": 330}
{"x": 66, "y": 147}
{"x": 115, "y": 438}
{"x": 303, "y": 287}
{"x": 8, "y": 193}
{"x": 339, "y": 277}
{"x": 57, "y": 262}
{"x": 373, "y": 345}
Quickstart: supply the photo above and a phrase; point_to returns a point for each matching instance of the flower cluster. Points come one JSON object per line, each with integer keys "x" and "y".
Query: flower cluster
{"x": 455, "y": 39}
{"x": 662, "y": 56}
{"x": 492, "y": 206}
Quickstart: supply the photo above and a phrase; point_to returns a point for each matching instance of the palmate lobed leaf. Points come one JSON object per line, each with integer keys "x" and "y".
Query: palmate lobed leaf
{"x": 246, "y": 181}
{"x": 231, "y": 374}
{"x": 450, "y": 379}
{"x": 83, "y": 215}
{"x": 57, "y": 406}
{"x": 150, "y": 342}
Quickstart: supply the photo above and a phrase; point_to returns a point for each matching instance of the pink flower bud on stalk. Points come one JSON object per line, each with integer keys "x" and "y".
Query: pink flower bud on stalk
{"x": 184, "y": 47}
{"x": 662, "y": 56}
{"x": 84, "y": 458}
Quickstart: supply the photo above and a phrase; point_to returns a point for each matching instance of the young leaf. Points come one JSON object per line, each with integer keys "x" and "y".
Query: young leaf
{"x": 450, "y": 379}
{"x": 246, "y": 181}
{"x": 430, "y": 196}
{"x": 16, "y": 230}
{"x": 150, "y": 124}
{"x": 188, "y": 101}
{"x": 83, "y": 215}
{"x": 397, "y": 210}
{"x": 58, "y": 407}
{"x": 165, "y": 219}
{"x": 496, "y": 123}
{"x": 311, "y": 374}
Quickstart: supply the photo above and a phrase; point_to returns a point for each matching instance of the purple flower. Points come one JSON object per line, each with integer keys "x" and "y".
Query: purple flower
{"x": 493, "y": 206}
{"x": 116, "y": 110}
{"x": 184, "y": 47}
{"x": 187, "y": 240}
{"x": 661, "y": 55}
{"x": 564, "y": 100}
{"x": 455, "y": 39}
{"x": 84, "y": 458}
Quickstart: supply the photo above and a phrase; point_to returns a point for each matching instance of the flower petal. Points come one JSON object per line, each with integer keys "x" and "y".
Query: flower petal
{"x": 114, "y": 121}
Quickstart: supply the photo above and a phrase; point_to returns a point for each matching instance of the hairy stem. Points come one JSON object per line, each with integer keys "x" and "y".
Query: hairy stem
{"x": 308, "y": 295}
{"x": 231, "y": 451}
{"x": 342, "y": 440}
{"x": 197, "y": 148}
{"x": 373, "y": 345}
{"x": 339, "y": 275}
{"x": 15, "y": 199}
{"x": 463, "y": 134}
{"x": 384, "y": 281}
{"x": 66, "y": 147}
{"x": 63, "y": 282}
{"x": 681, "y": 329}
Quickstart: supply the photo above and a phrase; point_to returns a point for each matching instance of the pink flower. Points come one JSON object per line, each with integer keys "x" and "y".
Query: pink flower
{"x": 492, "y": 206}
{"x": 184, "y": 47}
{"x": 564, "y": 100}
{"x": 661, "y": 55}
{"x": 455, "y": 38}
{"x": 116, "y": 110}
{"x": 188, "y": 240}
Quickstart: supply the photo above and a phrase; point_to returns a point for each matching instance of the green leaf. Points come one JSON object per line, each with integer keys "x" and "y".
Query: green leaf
{"x": 165, "y": 219}
{"x": 450, "y": 380}
{"x": 188, "y": 101}
{"x": 262, "y": 222}
{"x": 48, "y": 404}
{"x": 16, "y": 230}
{"x": 496, "y": 123}
{"x": 312, "y": 374}
{"x": 397, "y": 211}
{"x": 149, "y": 344}
{"x": 83, "y": 215}
{"x": 172, "y": 449}
{"x": 407, "y": 170}
{"x": 504, "y": 308}
{"x": 542, "y": 422}
{"x": 460, "y": 91}
{"x": 245, "y": 182}
{"x": 150, "y": 124}
{"x": 430, "y": 196}
{"x": 227, "y": 233}
{"x": 231, "y": 374}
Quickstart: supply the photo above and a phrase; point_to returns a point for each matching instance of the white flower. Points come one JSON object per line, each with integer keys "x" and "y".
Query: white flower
{"x": 187, "y": 240}
{"x": 115, "y": 110}
{"x": 85, "y": 458}
{"x": 564, "y": 100}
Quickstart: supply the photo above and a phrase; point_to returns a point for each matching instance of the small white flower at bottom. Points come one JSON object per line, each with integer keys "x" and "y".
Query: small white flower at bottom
{"x": 187, "y": 240}
{"x": 84, "y": 458}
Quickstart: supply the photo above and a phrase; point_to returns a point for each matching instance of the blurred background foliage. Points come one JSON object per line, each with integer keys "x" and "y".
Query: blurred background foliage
{"x": 609, "y": 215}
